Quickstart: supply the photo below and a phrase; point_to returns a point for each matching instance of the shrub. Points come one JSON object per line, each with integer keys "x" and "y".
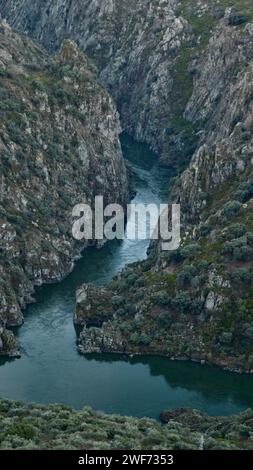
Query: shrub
{"x": 182, "y": 302}
{"x": 198, "y": 281}
{"x": 164, "y": 320}
{"x": 239, "y": 249}
{"x": 46, "y": 246}
{"x": 231, "y": 209}
{"x": 117, "y": 300}
{"x": 235, "y": 231}
{"x": 241, "y": 276}
{"x": 190, "y": 251}
{"x": 236, "y": 18}
{"x": 243, "y": 253}
{"x": 249, "y": 236}
{"x": 186, "y": 275}
{"x": 248, "y": 330}
{"x": 15, "y": 133}
{"x": 21, "y": 429}
{"x": 140, "y": 339}
{"x": 226, "y": 338}
{"x": 161, "y": 298}
{"x": 197, "y": 306}
{"x": 131, "y": 279}
{"x": 245, "y": 191}
{"x": 205, "y": 230}
{"x": 37, "y": 85}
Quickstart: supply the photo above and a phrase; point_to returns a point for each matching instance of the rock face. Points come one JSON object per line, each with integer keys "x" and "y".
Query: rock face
{"x": 143, "y": 49}
{"x": 59, "y": 146}
{"x": 196, "y": 303}
{"x": 153, "y": 57}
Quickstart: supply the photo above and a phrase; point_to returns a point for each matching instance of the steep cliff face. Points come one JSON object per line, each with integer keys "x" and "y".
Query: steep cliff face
{"x": 146, "y": 52}
{"x": 196, "y": 303}
{"x": 134, "y": 44}
{"x": 143, "y": 50}
{"x": 222, "y": 98}
{"x": 59, "y": 146}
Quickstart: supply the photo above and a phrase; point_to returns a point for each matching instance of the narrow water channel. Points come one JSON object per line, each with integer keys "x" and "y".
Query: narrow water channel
{"x": 51, "y": 370}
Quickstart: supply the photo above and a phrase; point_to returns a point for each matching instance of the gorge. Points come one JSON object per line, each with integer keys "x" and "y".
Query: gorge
{"x": 180, "y": 74}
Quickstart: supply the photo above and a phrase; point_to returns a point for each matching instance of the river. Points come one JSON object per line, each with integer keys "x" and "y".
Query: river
{"x": 51, "y": 370}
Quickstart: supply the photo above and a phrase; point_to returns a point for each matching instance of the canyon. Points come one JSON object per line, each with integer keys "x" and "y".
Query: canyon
{"x": 180, "y": 74}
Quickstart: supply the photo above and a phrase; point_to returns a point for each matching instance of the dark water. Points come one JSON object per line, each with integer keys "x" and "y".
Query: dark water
{"x": 51, "y": 370}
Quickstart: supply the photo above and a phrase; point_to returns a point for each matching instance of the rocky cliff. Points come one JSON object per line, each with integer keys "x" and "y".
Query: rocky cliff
{"x": 196, "y": 303}
{"x": 59, "y": 146}
{"x": 146, "y": 52}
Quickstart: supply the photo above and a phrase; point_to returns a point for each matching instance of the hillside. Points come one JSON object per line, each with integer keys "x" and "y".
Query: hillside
{"x": 59, "y": 146}
{"x": 58, "y": 427}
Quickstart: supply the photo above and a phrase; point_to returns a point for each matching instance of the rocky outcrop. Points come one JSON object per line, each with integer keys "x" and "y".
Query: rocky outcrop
{"x": 88, "y": 299}
{"x": 8, "y": 343}
{"x": 59, "y": 146}
{"x": 101, "y": 340}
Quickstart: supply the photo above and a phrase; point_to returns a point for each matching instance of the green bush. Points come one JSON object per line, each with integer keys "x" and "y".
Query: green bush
{"x": 21, "y": 429}
{"x": 37, "y": 85}
{"x": 182, "y": 302}
{"x": 226, "y": 338}
{"x": 231, "y": 209}
{"x": 164, "y": 320}
{"x": 248, "y": 330}
{"x": 243, "y": 253}
{"x": 241, "y": 276}
{"x": 235, "y": 231}
{"x": 236, "y": 18}
{"x": 140, "y": 339}
{"x": 185, "y": 277}
{"x": 118, "y": 300}
{"x": 245, "y": 191}
{"x": 239, "y": 249}
{"x": 161, "y": 298}
{"x": 190, "y": 251}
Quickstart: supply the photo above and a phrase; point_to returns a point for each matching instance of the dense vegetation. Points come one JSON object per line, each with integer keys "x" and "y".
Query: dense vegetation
{"x": 33, "y": 426}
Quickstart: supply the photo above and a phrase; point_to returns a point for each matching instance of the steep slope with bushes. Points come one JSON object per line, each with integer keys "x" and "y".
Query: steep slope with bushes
{"x": 59, "y": 146}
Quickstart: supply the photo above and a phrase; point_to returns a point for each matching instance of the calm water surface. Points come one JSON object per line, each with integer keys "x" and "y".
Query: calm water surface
{"x": 51, "y": 370}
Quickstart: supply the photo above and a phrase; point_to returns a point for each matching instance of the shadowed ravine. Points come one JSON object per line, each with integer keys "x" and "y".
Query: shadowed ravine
{"x": 51, "y": 370}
